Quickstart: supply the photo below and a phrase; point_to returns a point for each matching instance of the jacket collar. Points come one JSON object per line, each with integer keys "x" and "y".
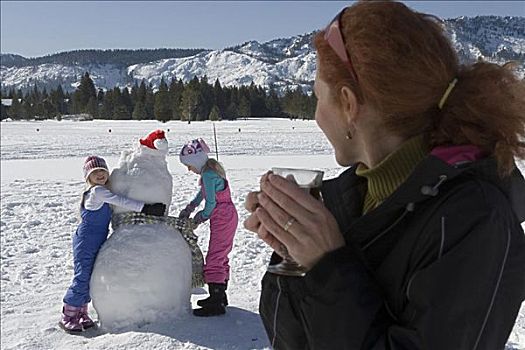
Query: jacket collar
{"x": 433, "y": 173}
{"x": 344, "y": 195}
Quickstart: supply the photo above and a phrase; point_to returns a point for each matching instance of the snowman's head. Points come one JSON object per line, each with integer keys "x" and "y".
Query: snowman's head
{"x": 156, "y": 140}
{"x": 143, "y": 173}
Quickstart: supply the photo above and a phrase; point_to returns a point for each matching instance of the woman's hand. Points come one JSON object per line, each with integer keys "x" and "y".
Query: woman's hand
{"x": 285, "y": 214}
{"x": 252, "y": 202}
{"x": 252, "y": 223}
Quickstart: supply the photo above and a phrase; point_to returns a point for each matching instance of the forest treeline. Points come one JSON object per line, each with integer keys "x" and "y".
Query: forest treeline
{"x": 194, "y": 100}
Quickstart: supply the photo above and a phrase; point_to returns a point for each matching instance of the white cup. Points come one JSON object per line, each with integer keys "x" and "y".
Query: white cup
{"x": 310, "y": 180}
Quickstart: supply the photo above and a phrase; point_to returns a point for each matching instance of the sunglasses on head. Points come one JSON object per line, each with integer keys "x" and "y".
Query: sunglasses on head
{"x": 334, "y": 38}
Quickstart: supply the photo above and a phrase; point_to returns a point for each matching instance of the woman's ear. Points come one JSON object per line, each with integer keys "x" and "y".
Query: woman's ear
{"x": 349, "y": 105}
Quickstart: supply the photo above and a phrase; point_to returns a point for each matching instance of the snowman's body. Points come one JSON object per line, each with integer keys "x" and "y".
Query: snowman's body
{"x": 143, "y": 272}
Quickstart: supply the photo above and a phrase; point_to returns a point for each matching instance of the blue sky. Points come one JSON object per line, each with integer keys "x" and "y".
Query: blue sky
{"x": 36, "y": 28}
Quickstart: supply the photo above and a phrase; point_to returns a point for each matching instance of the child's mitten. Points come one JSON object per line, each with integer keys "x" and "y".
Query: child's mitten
{"x": 199, "y": 219}
{"x": 185, "y": 213}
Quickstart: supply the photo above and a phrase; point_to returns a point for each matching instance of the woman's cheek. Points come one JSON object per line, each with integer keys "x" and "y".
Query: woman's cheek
{"x": 320, "y": 117}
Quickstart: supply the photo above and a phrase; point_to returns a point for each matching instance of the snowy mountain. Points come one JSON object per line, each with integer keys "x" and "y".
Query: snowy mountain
{"x": 493, "y": 37}
{"x": 11, "y": 60}
{"x": 283, "y": 63}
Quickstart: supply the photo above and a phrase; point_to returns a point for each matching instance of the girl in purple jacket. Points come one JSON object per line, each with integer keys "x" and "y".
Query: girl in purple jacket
{"x": 221, "y": 212}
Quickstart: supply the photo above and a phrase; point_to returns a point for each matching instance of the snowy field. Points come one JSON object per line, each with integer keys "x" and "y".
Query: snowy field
{"x": 41, "y": 181}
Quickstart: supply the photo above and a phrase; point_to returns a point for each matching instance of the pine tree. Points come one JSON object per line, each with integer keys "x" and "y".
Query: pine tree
{"x": 106, "y": 111}
{"x": 149, "y": 102}
{"x": 100, "y": 96}
{"x": 141, "y": 93}
{"x": 194, "y": 106}
{"x": 34, "y": 99}
{"x": 67, "y": 102}
{"x": 311, "y": 105}
{"x": 85, "y": 91}
{"x": 162, "y": 108}
{"x": 100, "y": 102}
{"x": 126, "y": 100}
{"x": 244, "y": 107}
{"x": 35, "y": 96}
{"x": 27, "y": 109}
{"x": 15, "y": 111}
{"x": 58, "y": 100}
{"x": 206, "y": 98}
{"x": 293, "y": 103}
{"x": 120, "y": 111}
{"x": 176, "y": 90}
{"x": 134, "y": 94}
{"x": 214, "y": 114}
{"x": 273, "y": 104}
{"x": 231, "y": 111}
{"x": 92, "y": 107}
{"x": 3, "y": 111}
{"x": 189, "y": 104}
{"x": 235, "y": 96}
{"x": 48, "y": 109}
{"x": 257, "y": 98}
{"x": 218, "y": 95}
{"x": 139, "y": 112}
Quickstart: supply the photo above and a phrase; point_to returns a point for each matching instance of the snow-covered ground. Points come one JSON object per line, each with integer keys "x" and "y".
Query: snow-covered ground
{"x": 41, "y": 181}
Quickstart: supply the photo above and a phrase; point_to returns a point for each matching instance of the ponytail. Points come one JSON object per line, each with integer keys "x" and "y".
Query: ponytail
{"x": 486, "y": 108}
{"x": 214, "y": 165}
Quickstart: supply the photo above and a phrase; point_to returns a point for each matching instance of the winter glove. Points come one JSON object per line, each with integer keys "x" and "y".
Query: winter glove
{"x": 198, "y": 219}
{"x": 157, "y": 209}
{"x": 185, "y": 213}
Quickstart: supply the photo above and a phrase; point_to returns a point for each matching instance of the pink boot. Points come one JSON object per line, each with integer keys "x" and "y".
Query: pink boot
{"x": 70, "y": 321}
{"x": 85, "y": 320}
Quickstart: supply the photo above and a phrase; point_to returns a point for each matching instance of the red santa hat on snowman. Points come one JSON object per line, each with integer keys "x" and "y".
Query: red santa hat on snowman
{"x": 195, "y": 153}
{"x": 155, "y": 140}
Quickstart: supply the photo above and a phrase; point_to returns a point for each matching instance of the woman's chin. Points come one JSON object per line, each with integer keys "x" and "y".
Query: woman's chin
{"x": 343, "y": 161}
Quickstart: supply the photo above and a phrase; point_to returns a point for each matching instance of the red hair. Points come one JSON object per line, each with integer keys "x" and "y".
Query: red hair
{"x": 404, "y": 64}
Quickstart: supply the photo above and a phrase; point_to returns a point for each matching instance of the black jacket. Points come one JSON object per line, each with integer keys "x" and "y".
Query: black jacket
{"x": 438, "y": 265}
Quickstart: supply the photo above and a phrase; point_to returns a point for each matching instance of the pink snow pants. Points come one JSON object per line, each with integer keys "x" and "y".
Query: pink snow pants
{"x": 223, "y": 224}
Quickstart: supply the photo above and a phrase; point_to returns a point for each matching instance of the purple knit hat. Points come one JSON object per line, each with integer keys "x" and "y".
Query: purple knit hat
{"x": 93, "y": 163}
{"x": 194, "y": 153}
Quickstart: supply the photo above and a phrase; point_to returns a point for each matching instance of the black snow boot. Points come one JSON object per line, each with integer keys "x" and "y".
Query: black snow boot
{"x": 215, "y": 305}
{"x": 209, "y": 300}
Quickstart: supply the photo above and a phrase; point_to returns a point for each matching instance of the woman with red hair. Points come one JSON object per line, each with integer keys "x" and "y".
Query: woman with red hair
{"x": 418, "y": 245}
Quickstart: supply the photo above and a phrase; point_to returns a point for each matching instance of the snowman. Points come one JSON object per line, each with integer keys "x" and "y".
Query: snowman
{"x": 143, "y": 272}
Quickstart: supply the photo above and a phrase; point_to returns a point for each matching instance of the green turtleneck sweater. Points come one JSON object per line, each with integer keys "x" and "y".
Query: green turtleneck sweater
{"x": 388, "y": 175}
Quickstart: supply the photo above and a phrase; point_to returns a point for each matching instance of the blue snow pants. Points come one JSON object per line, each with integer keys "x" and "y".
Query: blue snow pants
{"x": 87, "y": 240}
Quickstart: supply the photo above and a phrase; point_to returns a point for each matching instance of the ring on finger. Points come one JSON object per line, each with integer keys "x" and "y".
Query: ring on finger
{"x": 289, "y": 224}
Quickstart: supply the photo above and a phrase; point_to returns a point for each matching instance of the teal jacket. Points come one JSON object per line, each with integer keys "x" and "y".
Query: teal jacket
{"x": 213, "y": 183}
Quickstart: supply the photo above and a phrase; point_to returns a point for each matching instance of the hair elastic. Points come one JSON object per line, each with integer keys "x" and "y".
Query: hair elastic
{"x": 447, "y": 92}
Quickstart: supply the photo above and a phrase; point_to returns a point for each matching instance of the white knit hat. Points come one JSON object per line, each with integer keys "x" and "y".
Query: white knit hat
{"x": 195, "y": 153}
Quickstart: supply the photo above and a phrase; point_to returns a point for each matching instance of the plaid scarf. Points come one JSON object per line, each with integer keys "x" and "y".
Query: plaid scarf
{"x": 183, "y": 226}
